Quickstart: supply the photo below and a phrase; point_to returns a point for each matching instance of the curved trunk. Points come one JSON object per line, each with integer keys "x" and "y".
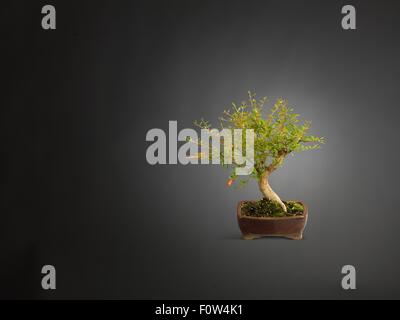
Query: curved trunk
{"x": 267, "y": 191}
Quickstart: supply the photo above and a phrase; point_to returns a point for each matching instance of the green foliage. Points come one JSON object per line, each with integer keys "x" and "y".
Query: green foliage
{"x": 268, "y": 208}
{"x": 278, "y": 132}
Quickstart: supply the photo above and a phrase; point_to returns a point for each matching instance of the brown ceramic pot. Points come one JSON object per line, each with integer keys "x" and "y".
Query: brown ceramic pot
{"x": 256, "y": 227}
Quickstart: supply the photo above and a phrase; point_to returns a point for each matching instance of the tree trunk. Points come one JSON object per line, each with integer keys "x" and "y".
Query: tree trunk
{"x": 267, "y": 190}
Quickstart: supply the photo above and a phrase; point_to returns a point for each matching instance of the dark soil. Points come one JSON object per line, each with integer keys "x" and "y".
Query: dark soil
{"x": 268, "y": 208}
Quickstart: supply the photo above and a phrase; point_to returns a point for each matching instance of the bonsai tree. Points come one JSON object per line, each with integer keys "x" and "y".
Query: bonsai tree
{"x": 277, "y": 133}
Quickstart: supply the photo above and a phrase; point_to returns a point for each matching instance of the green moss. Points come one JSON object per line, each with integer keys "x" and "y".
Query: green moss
{"x": 268, "y": 208}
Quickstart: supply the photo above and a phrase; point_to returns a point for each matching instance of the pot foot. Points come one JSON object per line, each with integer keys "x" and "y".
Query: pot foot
{"x": 295, "y": 236}
{"x": 249, "y": 236}
{"x": 252, "y": 236}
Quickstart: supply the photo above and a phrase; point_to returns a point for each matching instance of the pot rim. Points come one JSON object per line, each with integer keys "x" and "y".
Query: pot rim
{"x": 240, "y": 216}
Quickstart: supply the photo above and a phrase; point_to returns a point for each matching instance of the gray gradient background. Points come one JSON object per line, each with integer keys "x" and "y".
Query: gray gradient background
{"x": 79, "y": 194}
